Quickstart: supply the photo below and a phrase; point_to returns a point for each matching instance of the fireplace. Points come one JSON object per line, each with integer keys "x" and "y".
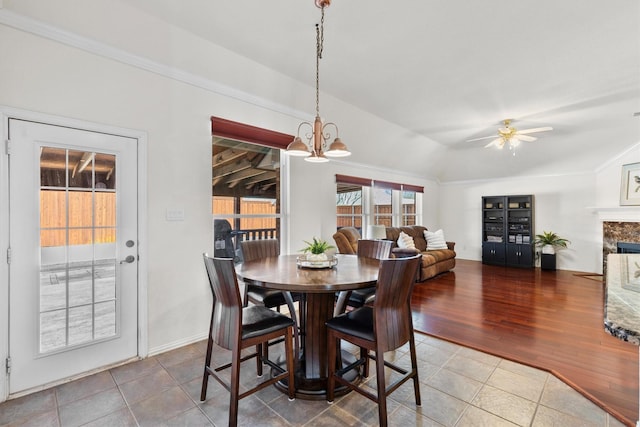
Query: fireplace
{"x": 619, "y": 237}
{"x": 628, "y": 248}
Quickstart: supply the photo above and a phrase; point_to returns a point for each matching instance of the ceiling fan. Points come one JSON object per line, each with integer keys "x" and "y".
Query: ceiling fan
{"x": 511, "y": 135}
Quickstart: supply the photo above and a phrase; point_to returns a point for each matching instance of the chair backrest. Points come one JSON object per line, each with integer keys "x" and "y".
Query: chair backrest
{"x": 256, "y": 249}
{"x": 376, "y": 249}
{"x": 223, "y": 243}
{"x": 226, "y": 318}
{"x": 392, "y": 307}
{"x": 346, "y": 240}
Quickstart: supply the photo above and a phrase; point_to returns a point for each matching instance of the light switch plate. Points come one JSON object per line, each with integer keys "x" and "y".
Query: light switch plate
{"x": 175, "y": 214}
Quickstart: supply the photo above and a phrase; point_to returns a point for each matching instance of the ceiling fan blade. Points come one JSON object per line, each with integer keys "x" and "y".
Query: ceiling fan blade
{"x": 532, "y": 130}
{"x": 478, "y": 139}
{"x": 526, "y": 138}
{"x": 495, "y": 142}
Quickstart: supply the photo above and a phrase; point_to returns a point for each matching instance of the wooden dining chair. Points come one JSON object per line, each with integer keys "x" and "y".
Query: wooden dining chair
{"x": 257, "y": 249}
{"x": 234, "y": 327}
{"x": 384, "y": 327}
{"x": 270, "y": 298}
{"x": 374, "y": 249}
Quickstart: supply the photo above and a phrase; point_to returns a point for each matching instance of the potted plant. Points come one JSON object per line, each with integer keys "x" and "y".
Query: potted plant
{"x": 549, "y": 242}
{"x": 316, "y": 249}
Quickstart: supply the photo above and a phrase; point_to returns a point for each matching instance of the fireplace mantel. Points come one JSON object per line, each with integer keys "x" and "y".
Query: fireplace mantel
{"x": 617, "y": 213}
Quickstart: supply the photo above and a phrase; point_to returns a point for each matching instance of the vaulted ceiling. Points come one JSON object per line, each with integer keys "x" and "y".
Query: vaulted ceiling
{"x": 450, "y": 71}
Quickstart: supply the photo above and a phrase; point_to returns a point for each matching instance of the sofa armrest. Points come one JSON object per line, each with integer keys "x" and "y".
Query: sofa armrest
{"x": 403, "y": 252}
{"x": 451, "y": 245}
{"x": 343, "y": 244}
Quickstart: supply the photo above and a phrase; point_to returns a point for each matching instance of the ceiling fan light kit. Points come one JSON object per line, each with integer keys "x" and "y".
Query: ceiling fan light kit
{"x": 509, "y": 135}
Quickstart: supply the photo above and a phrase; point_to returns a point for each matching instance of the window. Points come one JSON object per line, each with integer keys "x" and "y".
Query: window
{"x": 359, "y": 204}
{"x": 409, "y": 204}
{"x": 349, "y": 201}
{"x": 349, "y": 206}
{"x": 408, "y": 208}
{"x": 383, "y": 196}
{"x": 245, "y": 184}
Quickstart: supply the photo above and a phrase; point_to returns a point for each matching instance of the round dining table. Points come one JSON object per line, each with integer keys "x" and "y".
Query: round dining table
{"x": 318, "y": 287}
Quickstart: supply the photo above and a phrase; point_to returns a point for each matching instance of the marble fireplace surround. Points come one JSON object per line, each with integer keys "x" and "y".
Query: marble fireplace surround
{"x": 614, "y": 232}
{"x": 618, "y": 225}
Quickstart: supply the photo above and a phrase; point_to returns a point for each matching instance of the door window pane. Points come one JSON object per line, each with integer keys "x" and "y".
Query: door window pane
{"x": 77, "y": 248}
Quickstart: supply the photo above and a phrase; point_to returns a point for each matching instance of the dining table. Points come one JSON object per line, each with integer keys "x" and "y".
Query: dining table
{"x": 317, "y": 287}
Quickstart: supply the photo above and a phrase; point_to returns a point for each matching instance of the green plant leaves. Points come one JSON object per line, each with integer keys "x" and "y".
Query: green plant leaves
{"x": 317, "y": 246}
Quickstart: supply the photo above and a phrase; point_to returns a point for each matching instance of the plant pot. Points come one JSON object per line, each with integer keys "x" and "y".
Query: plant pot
{"x": 317, "y": 257}
{"x": 548, "y": 261}
{"x": 549, "y": 250}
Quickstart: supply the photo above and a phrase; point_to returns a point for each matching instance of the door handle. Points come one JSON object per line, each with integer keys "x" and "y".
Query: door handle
{"x": 129, "y": 259}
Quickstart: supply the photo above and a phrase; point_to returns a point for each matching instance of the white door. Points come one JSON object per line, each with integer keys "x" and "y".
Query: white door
{"x": 73, "y": 239}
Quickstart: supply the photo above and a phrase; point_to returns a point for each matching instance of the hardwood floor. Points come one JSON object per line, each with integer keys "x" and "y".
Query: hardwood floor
{"x": 552, "y": 320}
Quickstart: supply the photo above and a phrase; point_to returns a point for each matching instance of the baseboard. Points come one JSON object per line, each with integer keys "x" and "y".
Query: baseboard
{"x": 176, "y": 344}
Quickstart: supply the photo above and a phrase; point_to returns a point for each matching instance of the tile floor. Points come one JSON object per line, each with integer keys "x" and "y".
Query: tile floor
{"x": 459, "y": 387}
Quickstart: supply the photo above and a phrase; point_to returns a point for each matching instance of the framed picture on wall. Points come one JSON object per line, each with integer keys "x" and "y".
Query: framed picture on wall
{"x": 630, "y": 185}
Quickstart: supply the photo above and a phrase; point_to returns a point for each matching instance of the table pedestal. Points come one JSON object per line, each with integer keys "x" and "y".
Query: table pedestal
{"x": 311, "y": 369}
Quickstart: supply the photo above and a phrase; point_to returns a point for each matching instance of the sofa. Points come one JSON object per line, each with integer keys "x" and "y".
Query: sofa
{"x": 433, "y": 262}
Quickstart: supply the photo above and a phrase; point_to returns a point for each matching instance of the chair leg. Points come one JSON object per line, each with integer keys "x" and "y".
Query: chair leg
{"x": 259, "y": 351}
{"x": 382, "y": 394}
{"x": 364, "y": 354}
{"x": 288, "y": 346}
{"x": 292, "y": 313}
{"x": 234, "y": 386}
{"x": 414, "y": 367}
{"x": 207, "y": 361}
{"x": 207, "y": 364}
{"x": 302, "y": 307}
{"x": 332, "y": 343}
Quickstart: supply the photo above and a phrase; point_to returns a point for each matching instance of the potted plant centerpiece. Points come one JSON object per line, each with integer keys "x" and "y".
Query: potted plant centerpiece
{"x": 316, "y": 250}
{"x": 549, "y": 242}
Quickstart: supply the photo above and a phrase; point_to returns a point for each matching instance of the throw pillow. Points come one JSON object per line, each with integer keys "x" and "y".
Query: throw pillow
{"x": 435, "y": 240}
{"x": 405, "y": 241}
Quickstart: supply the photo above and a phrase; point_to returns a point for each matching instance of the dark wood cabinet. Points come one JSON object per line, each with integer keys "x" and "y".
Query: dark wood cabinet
{"x": 493, "y": 253}
{"x": 519, "y": 255}
{"x": 507, "y": 230}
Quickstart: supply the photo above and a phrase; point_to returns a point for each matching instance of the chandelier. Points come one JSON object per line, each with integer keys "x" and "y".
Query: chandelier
{"x": 315, "y": 149}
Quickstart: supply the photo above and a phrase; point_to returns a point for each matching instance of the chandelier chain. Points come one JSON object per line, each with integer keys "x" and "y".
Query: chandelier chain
{"x": 319, "y": 48}
{"x": 317, "y": 149}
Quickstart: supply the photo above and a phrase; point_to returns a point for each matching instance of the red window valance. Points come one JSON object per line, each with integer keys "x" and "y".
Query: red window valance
{"x": 242, "y": 132}
{"x": 414, "y": 188}
{"x": 353, "y": 180}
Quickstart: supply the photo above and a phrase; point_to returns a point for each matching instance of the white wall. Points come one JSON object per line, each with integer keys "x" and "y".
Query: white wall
{"x": 561, "y": 205}
{"x": 43, "y": 75}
